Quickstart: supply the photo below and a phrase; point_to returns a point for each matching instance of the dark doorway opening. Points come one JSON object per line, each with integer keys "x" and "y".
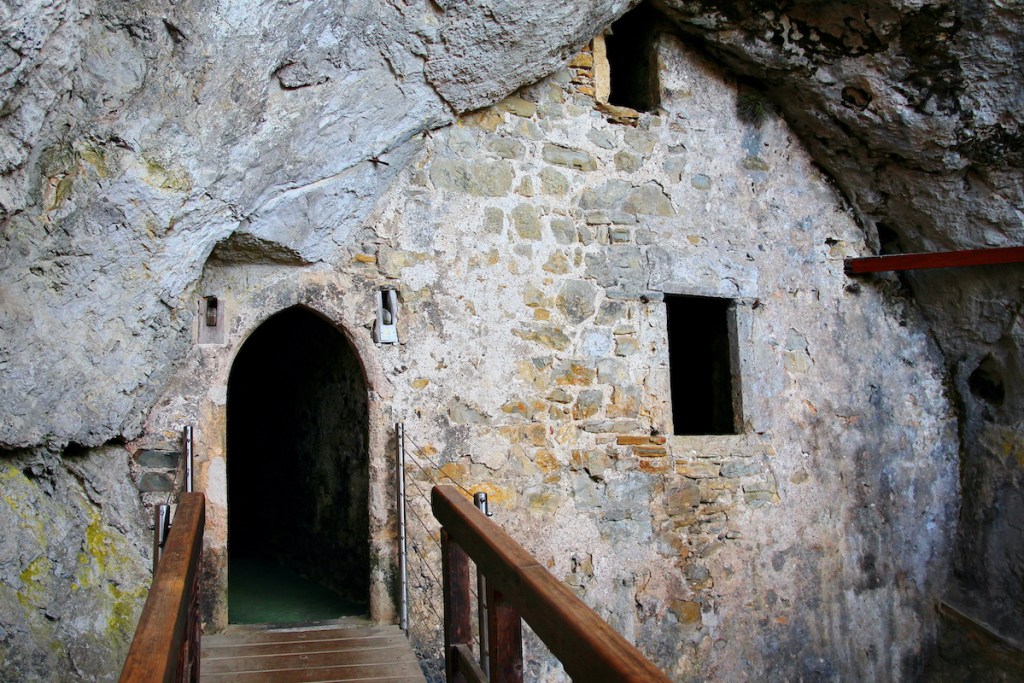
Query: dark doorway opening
{"x": 298, "y": 474}
{"x": 632, "y": 62}
{"x": 700, "y": 346}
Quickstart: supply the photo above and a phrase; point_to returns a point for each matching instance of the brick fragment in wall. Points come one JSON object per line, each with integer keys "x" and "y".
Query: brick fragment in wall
{"x": 630, "y": 440}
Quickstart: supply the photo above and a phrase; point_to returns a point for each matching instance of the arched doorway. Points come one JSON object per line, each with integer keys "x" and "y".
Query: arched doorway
{"x": 298, "y": 476}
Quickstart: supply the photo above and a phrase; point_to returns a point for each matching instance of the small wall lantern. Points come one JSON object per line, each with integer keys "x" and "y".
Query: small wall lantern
{"x": 211, "y": 311}
{"x": 211, "y": 320}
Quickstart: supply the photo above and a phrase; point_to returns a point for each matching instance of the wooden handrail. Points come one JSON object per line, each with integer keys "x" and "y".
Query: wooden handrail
{"x": 589, "y": 649}
{"x": 166, "y": 643}
{"x": 941, "y": 259}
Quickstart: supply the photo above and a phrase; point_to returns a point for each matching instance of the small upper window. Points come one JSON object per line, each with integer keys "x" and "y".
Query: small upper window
{"x": 704, "y": 381}
{"x": 632, "y": 60}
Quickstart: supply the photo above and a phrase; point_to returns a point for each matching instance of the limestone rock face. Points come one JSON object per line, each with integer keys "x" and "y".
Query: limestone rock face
{"x": 136, "y": 140}
{"x": 480, "y": 52}
{"x": 914, "y": 107}
{"x": 74, "y": 565}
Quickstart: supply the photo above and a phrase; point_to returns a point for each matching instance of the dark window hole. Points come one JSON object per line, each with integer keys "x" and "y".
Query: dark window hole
{"x": 702, "y": 374}
{"x": 632, "y": 62}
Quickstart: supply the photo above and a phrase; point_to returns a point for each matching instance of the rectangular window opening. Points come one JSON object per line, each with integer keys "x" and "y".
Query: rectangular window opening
{"x": 703, "y": 372}
{"x": 632, "y": 62}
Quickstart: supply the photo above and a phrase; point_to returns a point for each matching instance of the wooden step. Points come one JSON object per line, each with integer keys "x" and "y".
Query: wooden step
{"x": 378, "y": 654}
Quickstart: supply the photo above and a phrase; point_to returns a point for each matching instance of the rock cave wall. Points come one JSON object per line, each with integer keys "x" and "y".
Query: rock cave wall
{"x": 135, "y": 139}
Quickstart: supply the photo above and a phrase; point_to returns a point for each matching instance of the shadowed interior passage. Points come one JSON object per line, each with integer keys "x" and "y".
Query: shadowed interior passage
{"x": 297, "y": 468}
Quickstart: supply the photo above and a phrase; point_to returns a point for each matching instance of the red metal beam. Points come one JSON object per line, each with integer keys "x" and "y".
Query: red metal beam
{"x": 942, "y": 259}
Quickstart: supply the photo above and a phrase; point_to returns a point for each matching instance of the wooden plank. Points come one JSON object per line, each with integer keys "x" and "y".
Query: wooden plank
{"x": 589, "y": 649}
{"x": 211, "y": 648}
{"x": 377, "y": 654}
{"x": 378, "y": 673}
{"x": 505, "y": 629}
{"x": 292, "y": 636}
{"x": 457, "y": 610}
{"x": 300, "y": 647}
{"x": 942, "y": 259}
{"x": 161, "y": 635}
{"x": 467, "y": 670}
{"x": 276, "y": 661}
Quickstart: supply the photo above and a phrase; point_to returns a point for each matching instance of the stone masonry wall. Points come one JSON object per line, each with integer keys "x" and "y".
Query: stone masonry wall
{"x": 532, "y": 244}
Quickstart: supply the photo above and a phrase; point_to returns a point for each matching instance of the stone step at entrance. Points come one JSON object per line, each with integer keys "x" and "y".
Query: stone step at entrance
{"x": 338, "y": 651}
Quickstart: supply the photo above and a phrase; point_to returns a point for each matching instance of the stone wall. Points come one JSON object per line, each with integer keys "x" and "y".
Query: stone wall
{"x": 532, "y": 244}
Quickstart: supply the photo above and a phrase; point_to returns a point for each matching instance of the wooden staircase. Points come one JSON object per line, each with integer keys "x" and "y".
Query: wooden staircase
{"x": 335, "y": 651}
{"x": 517, "y": 588}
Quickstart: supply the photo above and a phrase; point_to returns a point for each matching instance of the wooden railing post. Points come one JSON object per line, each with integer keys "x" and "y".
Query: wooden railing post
{"x": 505, "y": 630}
{"x": 166, "y": 643}
{"x": 457, "y": 610}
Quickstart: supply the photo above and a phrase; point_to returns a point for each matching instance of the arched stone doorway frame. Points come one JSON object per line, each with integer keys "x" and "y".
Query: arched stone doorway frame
{"x": 342, "y": 308}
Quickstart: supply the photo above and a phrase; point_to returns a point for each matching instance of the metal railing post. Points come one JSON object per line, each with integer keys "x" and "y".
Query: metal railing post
{"x": 480, "y": 499}
{"x": 186, "y": 452}
{"x": 403, "y": 559}
{"x": 161, "y": 525}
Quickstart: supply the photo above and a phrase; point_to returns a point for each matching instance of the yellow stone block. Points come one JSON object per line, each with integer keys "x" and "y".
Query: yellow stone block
{"x": 545, "y": 460}
{"x": 495, "y": 494}
{"x": 687, "y": 612}
{"x": 537, "y": 434}
{"x": 488, "y": 120}
{"x": 450, "y": 471}
{"x": 566, "y": 434}
{"x": 583, "y": 59}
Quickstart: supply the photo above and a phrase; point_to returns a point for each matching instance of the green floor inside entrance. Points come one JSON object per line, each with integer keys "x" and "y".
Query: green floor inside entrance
{"x": 262, "y": 592}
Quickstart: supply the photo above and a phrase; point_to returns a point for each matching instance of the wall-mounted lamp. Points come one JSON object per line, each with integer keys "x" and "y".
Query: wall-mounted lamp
{"x": 211, "y": 320}
{"x": 385, "y": 331}
{"x": 211, "y": 311}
